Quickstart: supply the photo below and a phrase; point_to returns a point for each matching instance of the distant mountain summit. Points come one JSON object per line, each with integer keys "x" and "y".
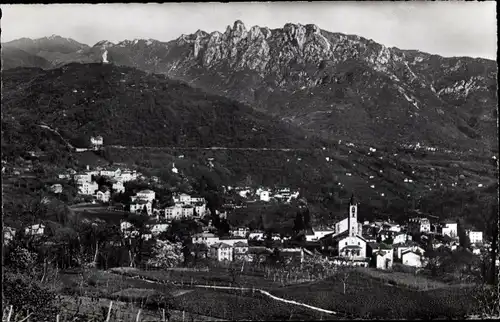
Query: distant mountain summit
{"x": 340, "y": 86}
{"x": 53, "y": 43}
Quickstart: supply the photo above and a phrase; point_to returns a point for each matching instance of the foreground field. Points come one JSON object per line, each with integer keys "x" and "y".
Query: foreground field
{"x": 370, "y": 298}
{"x": 369, "y": 294}
{"x": 218, "y": 304}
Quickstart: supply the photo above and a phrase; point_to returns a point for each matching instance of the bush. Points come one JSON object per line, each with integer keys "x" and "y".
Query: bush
{"x": 29, "y": 296}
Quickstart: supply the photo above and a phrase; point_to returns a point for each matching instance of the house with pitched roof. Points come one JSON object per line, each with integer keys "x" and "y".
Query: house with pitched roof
{"x": 409, "y": 245}
{"x": 139, "y": 205}
{"x": 401, "y": 238}
{"x": 419, "y": 225}
{"x": 381, "y": 254}
{"x": 475, "y": 237}
{"x": 147, "y": 194}
{"x": 240, "y": 232}
{"x": 118, "y": 186}
{"x": 103, "y": 194}
{"x": 35, "y": 230}
{"x": 205, "y": 238}
{"x": 221, "y": 252}
{"x": 87, "y": 188}
{"x": 412, "y": 258}
{"x": 448, "y": 228}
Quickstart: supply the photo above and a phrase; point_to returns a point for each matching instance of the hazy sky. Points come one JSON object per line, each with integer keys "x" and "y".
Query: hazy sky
{"x": 444, "y": 28}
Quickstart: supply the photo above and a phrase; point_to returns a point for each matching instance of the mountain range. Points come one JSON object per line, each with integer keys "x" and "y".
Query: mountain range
{"x": 342, "y": 87}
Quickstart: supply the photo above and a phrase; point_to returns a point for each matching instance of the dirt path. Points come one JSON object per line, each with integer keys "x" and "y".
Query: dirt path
{"x": 269, "y": 295}
{"x": 318, "y": 309}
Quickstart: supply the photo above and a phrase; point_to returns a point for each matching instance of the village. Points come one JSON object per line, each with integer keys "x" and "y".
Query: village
{"x": 378, "y": 243}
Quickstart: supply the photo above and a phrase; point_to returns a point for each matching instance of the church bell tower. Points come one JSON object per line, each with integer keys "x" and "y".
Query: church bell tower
{"x": 353, "y": 217}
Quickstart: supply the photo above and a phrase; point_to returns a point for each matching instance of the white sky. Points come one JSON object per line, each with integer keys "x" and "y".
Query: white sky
{"x": 444, "y": 28}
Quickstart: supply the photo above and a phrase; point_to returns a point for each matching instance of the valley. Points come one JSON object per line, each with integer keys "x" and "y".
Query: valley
{"x": 246, "y": 174}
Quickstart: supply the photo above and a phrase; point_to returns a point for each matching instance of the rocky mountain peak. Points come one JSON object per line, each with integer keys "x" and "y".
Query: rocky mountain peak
{"x": 239, "y": 26}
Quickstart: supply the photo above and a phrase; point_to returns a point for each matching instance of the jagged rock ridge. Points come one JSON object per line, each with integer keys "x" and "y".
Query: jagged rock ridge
{"x": 342, "y": 86}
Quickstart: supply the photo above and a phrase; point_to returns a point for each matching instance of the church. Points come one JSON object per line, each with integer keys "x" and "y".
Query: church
{"x": 347, "y": 243}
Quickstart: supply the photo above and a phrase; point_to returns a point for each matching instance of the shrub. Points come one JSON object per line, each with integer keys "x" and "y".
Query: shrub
{"x": 28, "y": 296}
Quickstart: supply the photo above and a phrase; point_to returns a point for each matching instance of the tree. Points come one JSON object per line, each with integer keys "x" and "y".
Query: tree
{"x": 345, "y": 272}
{"x": 298, "y": 224}
{"x": 462, "y": 235}
{"x": 136, "y": 244}
{"x": 166, "y": 254}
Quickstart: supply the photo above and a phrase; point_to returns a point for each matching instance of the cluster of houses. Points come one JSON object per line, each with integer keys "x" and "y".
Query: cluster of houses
{"x": 383, "y": 242}
{"x": 264, "y": 194}
{"x": 378, "y": 243}
{"x": 87, "y": 186}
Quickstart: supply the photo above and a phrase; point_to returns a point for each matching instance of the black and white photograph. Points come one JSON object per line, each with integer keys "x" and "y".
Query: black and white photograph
{"x": 249, "y": 161}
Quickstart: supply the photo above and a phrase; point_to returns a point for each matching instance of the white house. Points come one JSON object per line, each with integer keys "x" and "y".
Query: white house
{"x": 416, "y": 225}
{"x": 412, "y": 258}
{"x": 400, "y": 248}
{"x": 97, "y": 141}
{"x": 174, "y": 212}
{"x": 56, "y": 188}
{"x": 449, "y": 228}
{"x": 186, "y": 199}
{"x": 205, "y": 238}
{"x": 240, "y": 232}
{"x": 87, "y": 188}
{"x": 110, "y": 173}
{"x": 256, "y": 235}
{"x": 384, "y": 258}
{"x": 244, "y": 193}
{"x": 118, "y": 187}
{"x": 401, "y": 238}
{"x": 127, "y": 229}
{"x": 391, "y": 227}
{"x": 318, "y": 234}
{"x": 476, "y": 251}
{"x": 103, "y": 196}
{"x": 475, "y": 236}
{"x": 35, "y": 230}
{"x": 127, "y": 175}
{"x": 138, "y": 206}
{"x": 159, "y": 228}
{"x": 264, "y": 196}
{"x": 222, "y": 252}
{"x": 187, "y": 211}
{"x": 200, "y": 209}
{"x": 83, "y": 177}
{"x": 182, "y": 198}
{"x": 148, "y": 195}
